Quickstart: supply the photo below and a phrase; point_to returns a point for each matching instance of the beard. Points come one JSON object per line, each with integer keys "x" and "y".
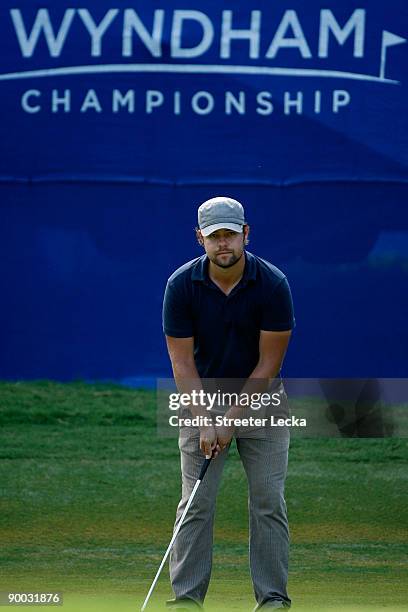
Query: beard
{"x": 226, "y": 260}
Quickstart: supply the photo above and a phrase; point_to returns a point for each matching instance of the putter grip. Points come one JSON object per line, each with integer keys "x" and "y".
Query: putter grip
{"x": 204, "y": 468}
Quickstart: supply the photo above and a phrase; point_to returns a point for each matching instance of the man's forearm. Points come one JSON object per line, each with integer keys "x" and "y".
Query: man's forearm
{"x": 258, "y": 382}
{"x": 188, "y": 380}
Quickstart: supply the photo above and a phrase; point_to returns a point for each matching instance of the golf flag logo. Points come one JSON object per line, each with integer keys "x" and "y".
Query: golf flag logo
{"x": 388, "y": 40}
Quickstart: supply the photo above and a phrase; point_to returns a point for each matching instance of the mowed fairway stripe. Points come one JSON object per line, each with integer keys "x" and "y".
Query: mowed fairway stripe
{"x": 89, "y": 494}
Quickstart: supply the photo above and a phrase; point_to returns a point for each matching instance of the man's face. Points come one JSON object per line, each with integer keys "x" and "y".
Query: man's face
{"x": 224, "y": 247}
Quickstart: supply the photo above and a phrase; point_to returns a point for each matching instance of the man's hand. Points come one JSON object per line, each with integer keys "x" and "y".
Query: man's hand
{"x": 208, "y": 442}
{"x": 224, "y": 435}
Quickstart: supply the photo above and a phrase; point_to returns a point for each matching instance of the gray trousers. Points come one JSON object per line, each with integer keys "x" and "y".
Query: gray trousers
{"x": 265, "y": 464}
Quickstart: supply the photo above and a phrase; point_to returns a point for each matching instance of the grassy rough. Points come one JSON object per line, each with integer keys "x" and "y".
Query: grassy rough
{"x": 88, "y": 495}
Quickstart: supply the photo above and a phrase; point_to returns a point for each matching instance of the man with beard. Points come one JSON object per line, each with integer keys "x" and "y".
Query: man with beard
{"x": 228, "y": 316}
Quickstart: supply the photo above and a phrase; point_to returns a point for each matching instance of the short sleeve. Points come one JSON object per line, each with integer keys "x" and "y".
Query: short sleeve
{"x": 177, "y": 321}
{"x": 277, "y": 308}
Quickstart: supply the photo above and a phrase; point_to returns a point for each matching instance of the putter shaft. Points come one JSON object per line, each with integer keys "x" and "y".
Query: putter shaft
{"x": 177, "y": 529}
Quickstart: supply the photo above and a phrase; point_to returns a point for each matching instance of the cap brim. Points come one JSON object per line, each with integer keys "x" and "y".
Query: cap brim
{"x": 206, "y": 231}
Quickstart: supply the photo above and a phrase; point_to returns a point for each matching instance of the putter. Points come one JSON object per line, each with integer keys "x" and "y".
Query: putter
{"x": 177, "y": 529}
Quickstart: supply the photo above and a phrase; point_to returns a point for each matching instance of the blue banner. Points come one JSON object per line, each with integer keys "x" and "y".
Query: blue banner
{"x": 117, "y": 122}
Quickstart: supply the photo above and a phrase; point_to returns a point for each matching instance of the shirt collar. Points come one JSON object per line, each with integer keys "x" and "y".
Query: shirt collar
{"x": 200, "y": 268}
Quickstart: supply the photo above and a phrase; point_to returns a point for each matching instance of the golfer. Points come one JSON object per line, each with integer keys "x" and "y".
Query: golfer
{"x": 228, "y": 316}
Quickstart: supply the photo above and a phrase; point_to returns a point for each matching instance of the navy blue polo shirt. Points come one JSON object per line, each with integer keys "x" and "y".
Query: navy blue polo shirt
{"x": 225, "y": 328}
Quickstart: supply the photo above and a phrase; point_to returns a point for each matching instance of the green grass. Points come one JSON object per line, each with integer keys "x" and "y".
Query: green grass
{"x": 88, "y": 494}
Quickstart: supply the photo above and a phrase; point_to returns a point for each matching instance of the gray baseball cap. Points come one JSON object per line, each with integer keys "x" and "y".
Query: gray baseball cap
{"x": 220, "y": 213}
